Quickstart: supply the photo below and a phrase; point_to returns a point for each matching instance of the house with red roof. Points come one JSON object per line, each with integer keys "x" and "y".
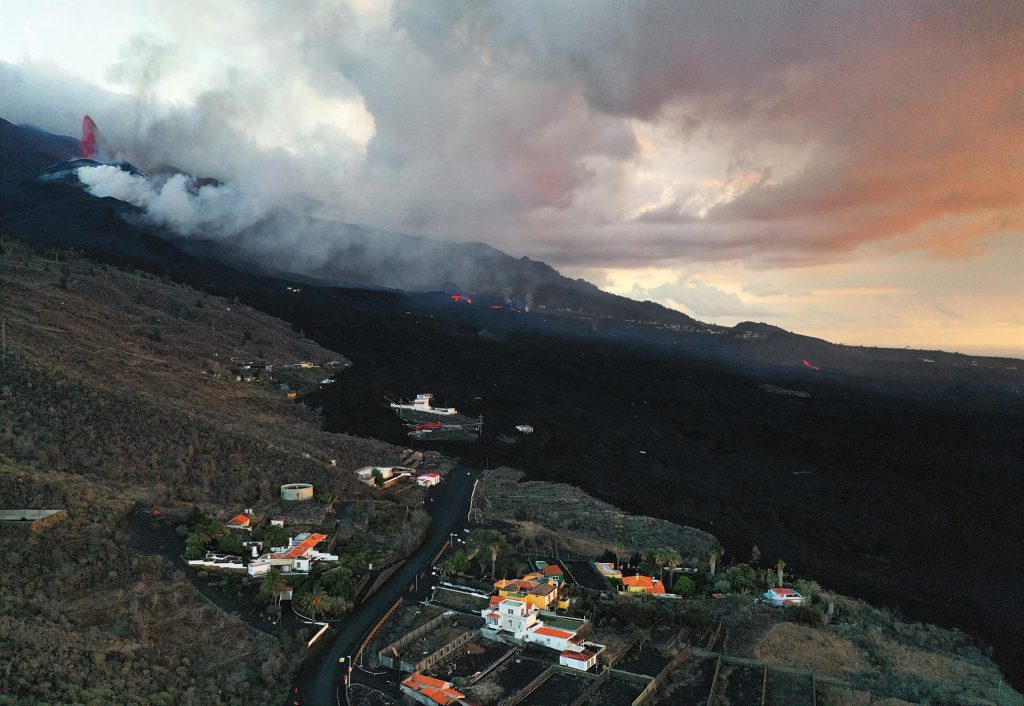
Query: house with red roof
{"x": 781, "y": 596}
{"x": 428, "y": 479}
{"x": 643, "y": 584}
{"x": 582, "y": 659}
{"x": 240, "y": 521}
{"x": 431, "y": 692}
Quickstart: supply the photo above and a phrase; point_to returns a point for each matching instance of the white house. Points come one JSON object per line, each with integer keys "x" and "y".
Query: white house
{"x": 582, "y": 659}
{"x": 428, "y": 479}
{"x": 780, "y": 596}
{"x": 510, "y": 615}
{"x": 388, "y": 474}
{"x": 297, "y": 556}
{"x": 553, "y": 638}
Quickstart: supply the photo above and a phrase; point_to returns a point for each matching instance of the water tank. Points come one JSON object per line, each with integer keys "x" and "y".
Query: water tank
{"x": 297, "y": 491}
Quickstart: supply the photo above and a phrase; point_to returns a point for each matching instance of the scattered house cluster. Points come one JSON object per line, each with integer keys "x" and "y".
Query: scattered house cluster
{"x": 296, "y": 557}
{"x": 780, "y": 596}
{"x": 429, "y": 691}
{"x": 391, "y": 474}
{"x": 249, "y": 370}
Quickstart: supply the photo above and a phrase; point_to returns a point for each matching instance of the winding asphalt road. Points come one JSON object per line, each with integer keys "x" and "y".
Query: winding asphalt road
{"x": 320, "y": 678}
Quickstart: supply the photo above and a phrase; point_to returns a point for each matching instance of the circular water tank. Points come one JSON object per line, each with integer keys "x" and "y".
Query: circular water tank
{"x": 297, "y": 491}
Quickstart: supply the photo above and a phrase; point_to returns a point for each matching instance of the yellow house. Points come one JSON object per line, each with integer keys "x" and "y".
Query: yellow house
{"x": 539, "y": 594}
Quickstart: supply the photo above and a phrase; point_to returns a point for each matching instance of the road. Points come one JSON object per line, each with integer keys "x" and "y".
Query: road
{"x": 321, "y": 674}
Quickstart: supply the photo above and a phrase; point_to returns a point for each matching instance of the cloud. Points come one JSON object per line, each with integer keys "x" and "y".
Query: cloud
{"x": 700, "y": 299}
{"x": 590, "y": 134}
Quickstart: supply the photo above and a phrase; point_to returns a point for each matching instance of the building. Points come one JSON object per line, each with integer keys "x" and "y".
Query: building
{"x": 643, "y": 584}
{"x": 277, "y": 522}
{"x": 554, "y": 638}
{"x": 431, "y": 692}
{"x": 608, "y": 570}
{"x": 296, "y": 492}
{"x": 387, "y": 474}
{"x": 510, "y": 615}
{"x": 428, "y": 479}
{"x": 522, "y": 622}
{"x": 780, "y": 596}
{"x": 553, "y": 572}
{"x": 297, "y": 556}
{"x": 239, "y": 522}
{"x": 531, "y": 588}
{"x": 15, "y": 522}
{"x": 582, "y": 659}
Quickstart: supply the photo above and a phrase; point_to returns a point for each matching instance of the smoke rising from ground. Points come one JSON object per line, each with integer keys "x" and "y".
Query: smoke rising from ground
{"x": 176, "y": 202}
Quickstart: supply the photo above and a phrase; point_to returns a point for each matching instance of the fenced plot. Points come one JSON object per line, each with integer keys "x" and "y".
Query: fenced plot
{"x": 557, "y": 690}
{"x": 689, "y": 685}
{"x": 615, "y": 692}
{"x": 516, "y": 674}
{"x": 787, "y": 689}
{"x": 738, "y": 686}
{"x": 584, "y": 575}
{"x": 642, "y": 660}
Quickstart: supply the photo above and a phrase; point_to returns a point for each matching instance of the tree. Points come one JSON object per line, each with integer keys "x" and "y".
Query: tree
{"x": 378, "y": 478}
{"x": 714, "y": 555}
{"x": 230, "y": 545}
{"x": 755, "y": 556}
{"x": 457, "y": 563}
{"x": 684, "y": 586}
{"x": 673, "y": 559}
{"x": 272, "y": 585}
{"x": 780, "y": 567}
{"x": 742, "y": 578}
{"x": 316, "y": 602}
{"x": 488, "y": 543}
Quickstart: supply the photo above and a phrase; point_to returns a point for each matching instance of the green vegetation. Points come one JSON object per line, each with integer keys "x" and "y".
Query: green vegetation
{"x": 487, "y": 543}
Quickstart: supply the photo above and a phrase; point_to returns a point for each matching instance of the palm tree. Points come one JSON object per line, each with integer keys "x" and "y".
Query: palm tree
{"x": 657, "y": 557}
{"x": 273, "y": 584}
{"x": 619, "y": 549}
{"x": 780, "y": 567}
{"x": 714, "y": 555}
{"x": 672, "y": 559}
{"x": 316, "y": 602}
{"x": 488, "y": 542}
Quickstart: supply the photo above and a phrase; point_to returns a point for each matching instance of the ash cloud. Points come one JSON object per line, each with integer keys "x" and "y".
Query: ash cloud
{"x": 595, "y": 134}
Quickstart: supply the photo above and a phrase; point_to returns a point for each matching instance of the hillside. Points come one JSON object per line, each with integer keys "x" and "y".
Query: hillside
{"x": 116, "y": 393}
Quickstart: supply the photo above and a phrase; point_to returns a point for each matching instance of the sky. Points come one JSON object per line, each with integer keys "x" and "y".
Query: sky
{"x": 848, "y": 170}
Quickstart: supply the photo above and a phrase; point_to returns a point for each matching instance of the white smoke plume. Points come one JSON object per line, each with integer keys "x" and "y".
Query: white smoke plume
{"x": 176, "y": 202}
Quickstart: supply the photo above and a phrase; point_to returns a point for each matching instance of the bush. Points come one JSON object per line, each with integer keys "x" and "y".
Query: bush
{"x": 684, "y": 586}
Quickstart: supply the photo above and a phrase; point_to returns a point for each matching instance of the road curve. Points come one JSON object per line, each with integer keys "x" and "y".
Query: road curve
{"x": 321, "y": 673}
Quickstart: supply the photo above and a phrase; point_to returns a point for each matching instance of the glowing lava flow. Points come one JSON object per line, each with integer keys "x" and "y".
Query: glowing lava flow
{"x": 809, "y": 365}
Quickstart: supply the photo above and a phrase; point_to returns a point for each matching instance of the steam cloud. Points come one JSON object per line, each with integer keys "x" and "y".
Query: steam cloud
{"x": 174, "y": 202}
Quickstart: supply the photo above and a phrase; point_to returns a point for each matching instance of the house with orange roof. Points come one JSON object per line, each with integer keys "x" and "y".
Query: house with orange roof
{"x": 240, "y": 521}
{"x": 431, "y": 692}
{"x": 643, "y": 584}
